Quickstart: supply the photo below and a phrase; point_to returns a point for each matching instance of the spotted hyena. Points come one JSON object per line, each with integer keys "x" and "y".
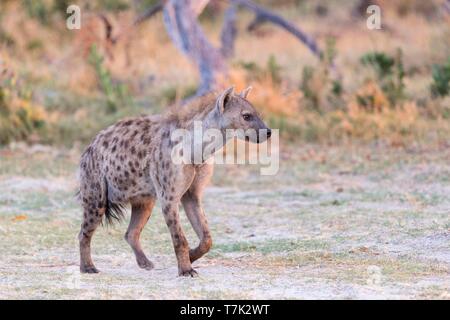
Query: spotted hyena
{"x": 131, "y": 162}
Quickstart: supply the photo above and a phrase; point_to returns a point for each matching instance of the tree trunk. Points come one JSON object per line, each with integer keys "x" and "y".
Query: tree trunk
{"x": 180, "y": 19}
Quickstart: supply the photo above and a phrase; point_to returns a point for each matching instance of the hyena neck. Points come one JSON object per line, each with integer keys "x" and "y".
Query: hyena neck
{"x": 208, "y": 135}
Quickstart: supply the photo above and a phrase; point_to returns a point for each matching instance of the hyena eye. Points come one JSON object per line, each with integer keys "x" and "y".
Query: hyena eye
{"x": 247, "y": 117}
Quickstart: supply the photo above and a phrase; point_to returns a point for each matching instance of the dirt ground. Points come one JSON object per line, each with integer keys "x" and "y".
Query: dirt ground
{"x": 334, "y": 223}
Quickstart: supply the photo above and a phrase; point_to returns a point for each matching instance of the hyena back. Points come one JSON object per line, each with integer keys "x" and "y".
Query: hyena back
{"x": 130, "y": 162}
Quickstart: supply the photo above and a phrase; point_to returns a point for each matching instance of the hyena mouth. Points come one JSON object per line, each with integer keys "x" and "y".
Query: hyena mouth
{"x": 258, "y": 140}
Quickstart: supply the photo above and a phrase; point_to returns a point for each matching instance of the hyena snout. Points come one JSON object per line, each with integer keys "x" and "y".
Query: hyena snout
{"x": 264, "y": 137}
{"x": 258, "y": 136}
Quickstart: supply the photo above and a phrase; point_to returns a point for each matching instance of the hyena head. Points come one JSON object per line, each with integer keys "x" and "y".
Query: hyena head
{"x": 236, "y": 112}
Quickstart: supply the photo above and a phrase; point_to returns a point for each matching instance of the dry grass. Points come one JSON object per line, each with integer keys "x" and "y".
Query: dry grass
{"x": 347, "y": 223}
{"x": 342, "y": 219}
{"x": 55, "y": 61}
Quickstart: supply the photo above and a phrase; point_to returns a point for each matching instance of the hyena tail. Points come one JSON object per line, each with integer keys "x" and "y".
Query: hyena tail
{"x": 114, "y": 212}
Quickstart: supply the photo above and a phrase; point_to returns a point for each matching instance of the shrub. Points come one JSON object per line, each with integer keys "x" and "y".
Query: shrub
{"x": 116, "y": 93}
{"x": 37, "y": 10}
{"x": 389, "y": 72}
{"x": 20, "y": 117}
{"x": 321, "y": 89}
{"x": 272, "y": 70}
{"x": 114, "y": 5}
{"x": 441, "y": 80}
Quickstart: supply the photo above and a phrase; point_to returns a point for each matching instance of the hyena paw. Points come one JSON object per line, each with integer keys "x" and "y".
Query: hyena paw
{"x": 188, "y": 273}
{"x": 89, "y": 269}
{"x": 145, "y": 264}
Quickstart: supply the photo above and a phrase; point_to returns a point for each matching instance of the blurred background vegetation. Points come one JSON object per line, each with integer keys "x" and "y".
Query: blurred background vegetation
{"x": 60, "y": 86}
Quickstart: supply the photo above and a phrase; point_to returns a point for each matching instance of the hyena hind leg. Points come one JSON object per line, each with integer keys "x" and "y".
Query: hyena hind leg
{"x": 91, "y": 219}
{"x": 140, "y": 213}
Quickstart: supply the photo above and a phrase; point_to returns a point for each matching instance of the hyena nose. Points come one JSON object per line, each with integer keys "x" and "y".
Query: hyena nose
{"x": 269, "y": 133}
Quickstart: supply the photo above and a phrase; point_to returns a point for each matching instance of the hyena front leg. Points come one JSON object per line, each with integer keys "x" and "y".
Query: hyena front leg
{"x": 194, "y": 211}
{"x": 140, "y": 213}
{"x": 169, "y": 197}
{"x": 92, "y": 217}
{"x": 180, "y": 243}
{"x": 171, "y": 182}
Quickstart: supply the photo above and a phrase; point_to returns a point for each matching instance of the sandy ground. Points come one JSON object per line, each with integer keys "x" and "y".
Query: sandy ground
{"x": 334, "y": 223}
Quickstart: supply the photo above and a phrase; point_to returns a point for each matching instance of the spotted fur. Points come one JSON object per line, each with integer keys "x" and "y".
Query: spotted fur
{"x": 130, "y": 162}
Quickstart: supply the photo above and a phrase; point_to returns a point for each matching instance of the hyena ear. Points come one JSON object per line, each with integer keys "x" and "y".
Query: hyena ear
{"x": 223, "y": 99}
{"x": 245, "y": 92}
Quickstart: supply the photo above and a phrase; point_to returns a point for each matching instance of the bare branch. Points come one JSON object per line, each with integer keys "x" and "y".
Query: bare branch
{"x": 109, "y": 39}
{"x": 255, "y": 23}
{"x": 186, "y": 33}
{"x": 263, "y": 14}
{"x": 150, "y": 12}
{"x": 446, "y": 6}
{"x": 108, "y": 28}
